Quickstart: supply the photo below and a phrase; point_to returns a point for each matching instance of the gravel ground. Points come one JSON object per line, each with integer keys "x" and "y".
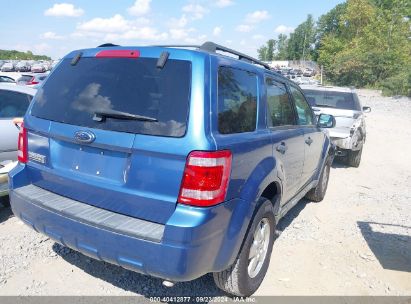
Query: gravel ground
{"x": 356, "y": 242}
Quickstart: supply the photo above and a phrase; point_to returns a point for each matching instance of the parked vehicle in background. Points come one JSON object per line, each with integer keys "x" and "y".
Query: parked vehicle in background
{"x": 298, "y": 72}
{"x": 23, "y": 66}
{"x": 285, "y": 71}
{"x": 55, "y": 63}
{"x": 24, "y": 79}
{"x": 14, "y": 101}
{"x": 308, "y": 72}
{"x": 305, "y": 80}
{"x": 47, "y": 65}
{"x": 292, "y": 72}
{"x": 167, "y": 161}
{"x": 38, "y": 68}
{"x": 350, "y": 133}
{"x": 31, "y": 79}
{"x": 7, "y": 67}
{"x": 6, "y": 79}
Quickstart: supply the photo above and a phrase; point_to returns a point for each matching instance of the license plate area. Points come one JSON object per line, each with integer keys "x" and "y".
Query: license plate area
{"x": 90, "y": 161}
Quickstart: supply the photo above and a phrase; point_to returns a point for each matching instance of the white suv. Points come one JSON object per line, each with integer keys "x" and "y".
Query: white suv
{"x": 349, "y": 133}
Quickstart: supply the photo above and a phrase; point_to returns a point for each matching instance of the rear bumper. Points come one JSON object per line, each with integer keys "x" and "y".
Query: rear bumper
{"x": 4, "y": 189}
{"x": 194, "y": 241}
{"x": 4, "y": 186}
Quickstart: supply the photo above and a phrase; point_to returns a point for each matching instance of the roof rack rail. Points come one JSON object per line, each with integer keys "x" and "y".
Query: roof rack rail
{"x": 213, "y": 48}
{"x": 108, "y": 45}
{"x": 210, "y": 47}
{"x": 179, "y": 46}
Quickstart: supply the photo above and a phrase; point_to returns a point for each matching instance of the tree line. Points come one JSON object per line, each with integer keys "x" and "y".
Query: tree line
{"x": 362, "y": 43}
{"x": 16, "y": 55}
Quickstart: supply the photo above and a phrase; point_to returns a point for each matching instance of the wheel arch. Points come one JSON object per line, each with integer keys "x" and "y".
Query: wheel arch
{"x": 263, "y": 181}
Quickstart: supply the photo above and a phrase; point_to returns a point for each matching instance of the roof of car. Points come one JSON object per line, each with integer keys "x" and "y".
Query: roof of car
{"x": 18, "y": 88}
{"x": 327, "y": 88}
{"x": 208, "y": 47}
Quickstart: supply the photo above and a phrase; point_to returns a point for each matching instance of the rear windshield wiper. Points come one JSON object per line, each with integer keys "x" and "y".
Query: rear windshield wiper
{"x": 102, "y": 115}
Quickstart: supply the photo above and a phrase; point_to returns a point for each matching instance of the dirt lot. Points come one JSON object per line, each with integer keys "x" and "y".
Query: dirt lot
{"x": 356, "y": 242}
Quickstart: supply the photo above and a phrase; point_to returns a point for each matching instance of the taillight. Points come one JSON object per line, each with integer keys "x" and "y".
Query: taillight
{"x": 22, "y": 153}
{"x": 32, "y": 81}
{"x": 205, "y": 178}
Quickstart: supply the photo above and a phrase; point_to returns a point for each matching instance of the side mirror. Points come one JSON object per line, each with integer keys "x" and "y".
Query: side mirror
{"x": 366, "y": 109}
{"x": 326, "y": 121}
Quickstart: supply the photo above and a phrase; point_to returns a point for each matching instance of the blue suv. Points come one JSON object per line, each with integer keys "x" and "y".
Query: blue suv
{"x": 173, "y": 162}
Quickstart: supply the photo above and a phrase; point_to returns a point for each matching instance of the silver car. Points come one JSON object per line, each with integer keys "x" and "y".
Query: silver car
{"x": 8, "y": 67}
{"x": 349, "y": 133}
{"x": 14, "y": 101}
{"x": 38, "y": 68}
{"x": 31, "y": 79}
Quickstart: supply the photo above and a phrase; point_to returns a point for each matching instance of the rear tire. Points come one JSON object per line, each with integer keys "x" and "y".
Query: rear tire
{"x": 242, "y": 278}
{"x": 354, "y": 158}
{"x": 317, "y": 194}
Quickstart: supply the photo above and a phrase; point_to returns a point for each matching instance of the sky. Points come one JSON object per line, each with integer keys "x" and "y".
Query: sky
{"x": 55, "y": 28}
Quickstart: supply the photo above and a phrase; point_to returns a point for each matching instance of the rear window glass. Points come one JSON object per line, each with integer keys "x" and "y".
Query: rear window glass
{"x": 329, "y": 99}
{"x": 237, "y": 101}
{"x": 13, "y": 104}
{"x": 136, "y": 86}
{"x": 24, "y": 78}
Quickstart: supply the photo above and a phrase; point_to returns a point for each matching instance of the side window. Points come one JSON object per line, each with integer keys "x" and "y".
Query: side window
{"x": 237, "y": 101}
{"x": 13, "y": 104}
{"x": 304, "y": 113}
{"x": 280, "y": 109}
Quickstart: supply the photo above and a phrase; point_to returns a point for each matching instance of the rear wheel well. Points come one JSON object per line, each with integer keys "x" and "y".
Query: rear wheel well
{"x": 271, "y": 192}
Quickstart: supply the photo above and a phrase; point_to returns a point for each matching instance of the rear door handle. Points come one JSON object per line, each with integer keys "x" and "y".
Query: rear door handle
{"x": 282, "y": 148}
{"x": 309, "y": 141}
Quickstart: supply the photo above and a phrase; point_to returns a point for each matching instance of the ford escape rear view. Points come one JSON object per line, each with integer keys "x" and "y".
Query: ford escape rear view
{"x": 169, "y": 161}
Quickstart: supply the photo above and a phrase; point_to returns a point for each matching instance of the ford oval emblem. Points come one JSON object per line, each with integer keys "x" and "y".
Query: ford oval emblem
{"x": 84, "y": 136}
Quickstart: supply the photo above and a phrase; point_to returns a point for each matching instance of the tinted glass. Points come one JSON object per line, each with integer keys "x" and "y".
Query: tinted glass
{"x": 6, "y": 79}
{"x": 24, "y": 78}
{"x": 280, "y": 109}
{"x": 237, "y": 101}
{"x": 13, "y": 104}
{"x": 304, "y": 113}
{"x": 329, "y": 99}
{"x": 74, "y": 93}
